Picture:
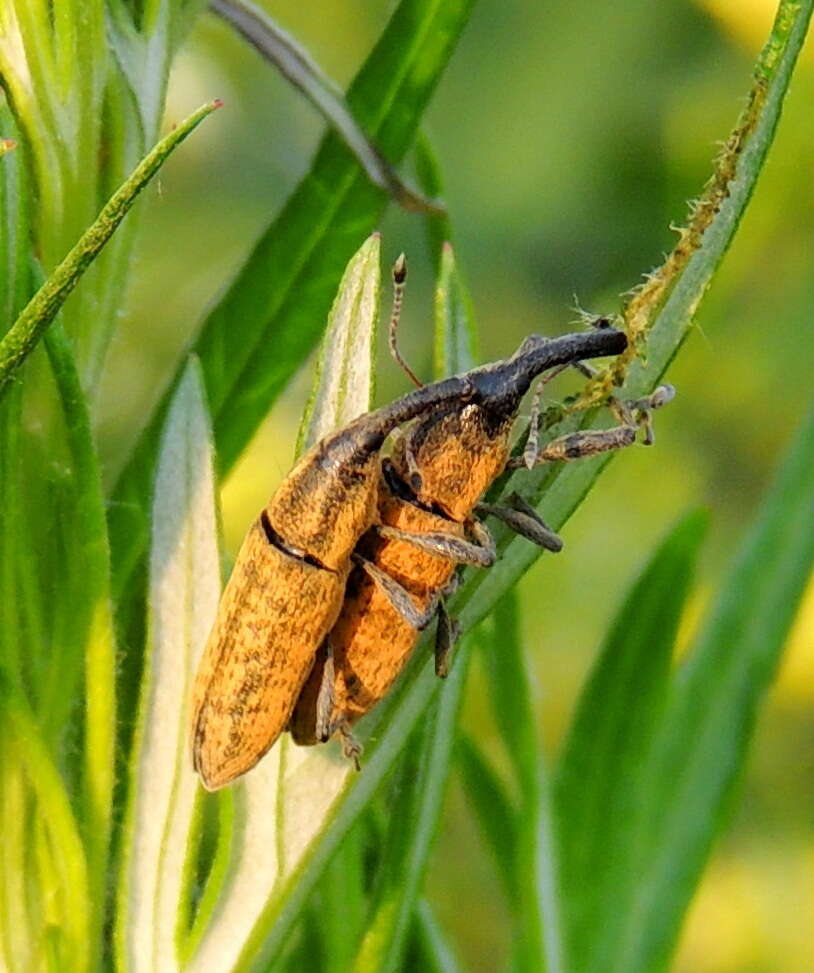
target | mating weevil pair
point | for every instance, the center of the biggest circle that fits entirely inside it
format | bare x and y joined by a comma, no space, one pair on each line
354,553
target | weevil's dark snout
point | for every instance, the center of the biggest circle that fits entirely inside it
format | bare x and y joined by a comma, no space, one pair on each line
501,386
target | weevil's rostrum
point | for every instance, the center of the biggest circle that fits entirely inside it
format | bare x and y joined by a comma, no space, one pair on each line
292,626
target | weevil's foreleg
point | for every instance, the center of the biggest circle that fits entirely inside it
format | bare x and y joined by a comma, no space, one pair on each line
632,416
325,696
530,450
522,518
446,636
398,596
480,552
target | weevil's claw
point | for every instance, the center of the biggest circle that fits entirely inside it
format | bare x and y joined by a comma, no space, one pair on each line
351,748
449,630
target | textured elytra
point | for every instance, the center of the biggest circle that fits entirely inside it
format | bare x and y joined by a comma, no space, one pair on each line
283,596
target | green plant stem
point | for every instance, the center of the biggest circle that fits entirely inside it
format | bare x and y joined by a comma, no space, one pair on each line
44,305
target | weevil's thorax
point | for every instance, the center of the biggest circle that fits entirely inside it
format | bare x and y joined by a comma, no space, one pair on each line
457,454
327,501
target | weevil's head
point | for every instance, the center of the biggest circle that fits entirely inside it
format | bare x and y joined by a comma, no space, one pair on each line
501,386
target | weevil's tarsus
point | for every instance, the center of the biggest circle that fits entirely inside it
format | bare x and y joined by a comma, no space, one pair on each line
643,409
480,552
446,636
351,748
398,596
523,519
399,279
325,698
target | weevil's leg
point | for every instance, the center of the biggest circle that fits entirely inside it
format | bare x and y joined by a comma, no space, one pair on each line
398,596
325,696
588,442
532,442
351,748
522,518
399,277
577,445
531,448
643,409
480,552
449,629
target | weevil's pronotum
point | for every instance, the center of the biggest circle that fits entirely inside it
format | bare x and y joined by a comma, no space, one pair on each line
427,525
288,583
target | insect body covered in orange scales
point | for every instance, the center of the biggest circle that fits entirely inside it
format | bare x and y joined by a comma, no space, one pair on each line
372,638
287,587
427,525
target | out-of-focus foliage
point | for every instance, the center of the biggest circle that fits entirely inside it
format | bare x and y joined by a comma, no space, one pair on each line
570,138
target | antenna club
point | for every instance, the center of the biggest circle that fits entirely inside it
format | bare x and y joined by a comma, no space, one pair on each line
400,269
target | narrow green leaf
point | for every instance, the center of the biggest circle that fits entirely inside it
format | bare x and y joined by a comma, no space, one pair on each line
510,694
70,899
494,810
601,776
428,170
285,800
701,750
456,340
534,881
386,937
296,66
92,616
339,910
41,310
432,951
184,592
273,312
344,380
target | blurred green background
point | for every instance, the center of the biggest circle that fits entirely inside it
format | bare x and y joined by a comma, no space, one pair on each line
570,137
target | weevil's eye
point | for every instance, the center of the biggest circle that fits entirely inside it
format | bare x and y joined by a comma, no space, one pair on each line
601,323
415,482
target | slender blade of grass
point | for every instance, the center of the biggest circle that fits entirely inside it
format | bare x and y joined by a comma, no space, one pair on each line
432,951
41,310
600,780
386,937
296,66
184,592
495,812
700,752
